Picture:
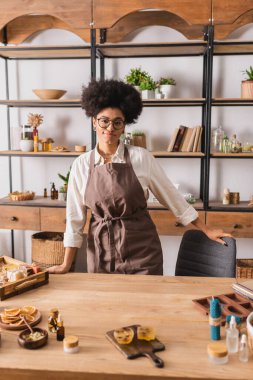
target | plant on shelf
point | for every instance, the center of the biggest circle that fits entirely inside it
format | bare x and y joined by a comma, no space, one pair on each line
165,85
247,84
139,139
35,120
62,193
147,87
65,179
136,76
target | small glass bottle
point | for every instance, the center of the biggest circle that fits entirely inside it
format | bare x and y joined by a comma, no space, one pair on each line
60,333
56,194
243,349
52,320
52,192
45,193
226,145
217,139
232,336
128,139
235,144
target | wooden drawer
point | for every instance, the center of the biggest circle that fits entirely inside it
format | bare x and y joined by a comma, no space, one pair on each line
236,223
166,223
20,218
54,219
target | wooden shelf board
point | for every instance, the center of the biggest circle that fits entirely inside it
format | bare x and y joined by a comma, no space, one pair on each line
177,154
173,102
232,155
38,201
242,205
38,154
153,49
232,47
231,101
39,103
33,52
158,206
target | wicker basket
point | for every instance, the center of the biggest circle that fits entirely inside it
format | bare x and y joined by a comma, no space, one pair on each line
47,249
244,268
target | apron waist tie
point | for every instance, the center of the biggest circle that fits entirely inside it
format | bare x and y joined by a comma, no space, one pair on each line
107,221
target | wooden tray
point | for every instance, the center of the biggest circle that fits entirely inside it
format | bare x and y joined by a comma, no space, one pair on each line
139,348
23,326
231,304
32,281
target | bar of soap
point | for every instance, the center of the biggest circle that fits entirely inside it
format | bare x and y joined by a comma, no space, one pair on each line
145,333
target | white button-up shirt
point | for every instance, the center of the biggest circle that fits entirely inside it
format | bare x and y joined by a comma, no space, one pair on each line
151,177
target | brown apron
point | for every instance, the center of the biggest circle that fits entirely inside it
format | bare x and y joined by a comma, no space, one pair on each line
122,237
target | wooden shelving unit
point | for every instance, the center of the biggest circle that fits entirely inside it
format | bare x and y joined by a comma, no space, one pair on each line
178,154
45,52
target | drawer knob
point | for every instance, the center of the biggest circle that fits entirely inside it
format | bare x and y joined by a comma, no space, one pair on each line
236,225
14,219
177,224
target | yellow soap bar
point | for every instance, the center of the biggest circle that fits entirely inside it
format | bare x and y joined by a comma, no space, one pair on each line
145,333
124,335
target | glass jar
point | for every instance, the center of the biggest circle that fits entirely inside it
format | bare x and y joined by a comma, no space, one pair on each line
246,147
217,139
235,144
26,132
226,145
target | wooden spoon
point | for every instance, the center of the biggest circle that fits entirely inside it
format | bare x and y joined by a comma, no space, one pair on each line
27,324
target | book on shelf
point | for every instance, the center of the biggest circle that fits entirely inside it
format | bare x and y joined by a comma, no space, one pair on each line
196,140
172,140
179,138
186,140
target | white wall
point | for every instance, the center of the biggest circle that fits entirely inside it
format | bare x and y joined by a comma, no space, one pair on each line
70,126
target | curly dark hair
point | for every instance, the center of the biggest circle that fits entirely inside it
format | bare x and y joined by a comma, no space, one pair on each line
114,94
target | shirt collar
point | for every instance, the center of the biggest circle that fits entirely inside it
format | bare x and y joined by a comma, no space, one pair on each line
119,154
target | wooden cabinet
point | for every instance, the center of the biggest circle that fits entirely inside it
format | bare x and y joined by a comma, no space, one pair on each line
166,223
236,223
20,218
55,219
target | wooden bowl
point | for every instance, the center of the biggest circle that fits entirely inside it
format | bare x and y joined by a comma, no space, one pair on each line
32,344
49,93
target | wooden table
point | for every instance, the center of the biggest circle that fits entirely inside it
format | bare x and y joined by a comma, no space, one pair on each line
93,304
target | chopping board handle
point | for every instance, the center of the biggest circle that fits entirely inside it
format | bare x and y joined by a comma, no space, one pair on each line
158,362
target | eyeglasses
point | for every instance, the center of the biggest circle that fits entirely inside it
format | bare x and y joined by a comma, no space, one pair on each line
117,124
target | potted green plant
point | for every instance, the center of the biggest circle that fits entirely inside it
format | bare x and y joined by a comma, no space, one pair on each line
247,84
136,76
165,85
62,194
139,139
65,180
147,88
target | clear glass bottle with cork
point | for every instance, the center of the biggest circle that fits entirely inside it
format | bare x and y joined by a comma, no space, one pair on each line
217,139
52,320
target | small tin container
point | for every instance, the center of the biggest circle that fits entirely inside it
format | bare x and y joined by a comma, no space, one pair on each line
217,352
70,344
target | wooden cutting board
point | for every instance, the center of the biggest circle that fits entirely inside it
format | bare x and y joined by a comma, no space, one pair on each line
139,348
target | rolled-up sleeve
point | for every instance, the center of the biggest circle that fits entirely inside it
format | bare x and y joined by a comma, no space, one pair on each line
76,210
168,195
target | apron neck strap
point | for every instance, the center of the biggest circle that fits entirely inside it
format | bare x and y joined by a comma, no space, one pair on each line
126,155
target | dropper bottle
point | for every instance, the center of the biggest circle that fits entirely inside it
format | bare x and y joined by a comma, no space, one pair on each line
232,336
243,349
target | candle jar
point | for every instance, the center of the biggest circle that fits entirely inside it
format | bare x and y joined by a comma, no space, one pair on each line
46,144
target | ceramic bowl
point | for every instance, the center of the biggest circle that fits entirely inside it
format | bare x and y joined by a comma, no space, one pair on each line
32,344
48,94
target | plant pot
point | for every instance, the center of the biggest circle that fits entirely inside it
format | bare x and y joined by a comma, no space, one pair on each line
137,88
26,145
62,196
148,94
166,90
139,141
247,89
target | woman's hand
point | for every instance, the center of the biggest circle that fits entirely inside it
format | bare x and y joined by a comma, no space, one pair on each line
216,235
213,234
58,269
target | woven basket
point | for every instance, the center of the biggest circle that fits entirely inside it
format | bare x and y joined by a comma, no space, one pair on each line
47,249
244,268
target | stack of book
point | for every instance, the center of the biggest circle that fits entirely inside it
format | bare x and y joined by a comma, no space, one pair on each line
244,288
185,139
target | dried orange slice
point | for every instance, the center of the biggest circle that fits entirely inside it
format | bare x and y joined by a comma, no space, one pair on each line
12,312
28,310
29,318
18,323
124,335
